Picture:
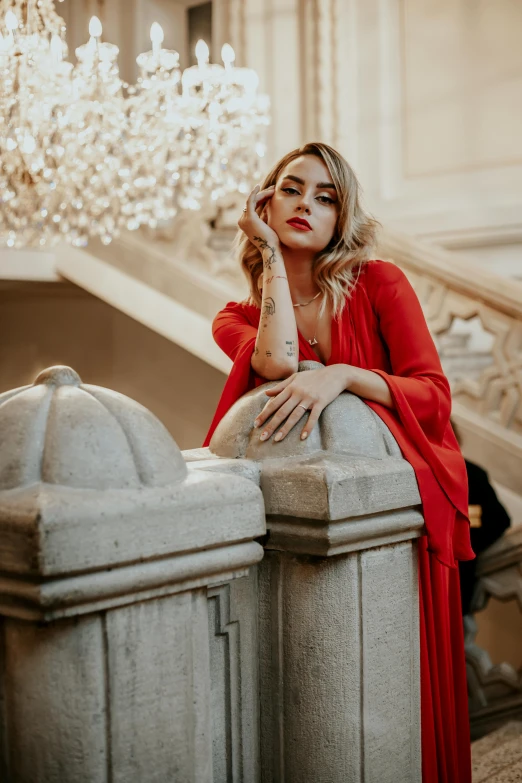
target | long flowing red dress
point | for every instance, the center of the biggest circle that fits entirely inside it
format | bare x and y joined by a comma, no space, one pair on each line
383,329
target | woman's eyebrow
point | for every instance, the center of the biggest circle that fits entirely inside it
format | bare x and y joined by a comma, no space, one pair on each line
301,182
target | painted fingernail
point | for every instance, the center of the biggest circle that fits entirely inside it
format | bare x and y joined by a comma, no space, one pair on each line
279,436
304,436
263,436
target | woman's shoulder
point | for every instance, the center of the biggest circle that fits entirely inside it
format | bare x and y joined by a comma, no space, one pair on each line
383,282
378,272
242,311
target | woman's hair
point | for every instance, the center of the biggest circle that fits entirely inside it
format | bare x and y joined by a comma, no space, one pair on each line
352,242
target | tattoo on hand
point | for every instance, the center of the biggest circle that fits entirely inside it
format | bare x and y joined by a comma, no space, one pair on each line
268,353
271,259
269,306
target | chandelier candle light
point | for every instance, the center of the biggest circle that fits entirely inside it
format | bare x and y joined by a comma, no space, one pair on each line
84,154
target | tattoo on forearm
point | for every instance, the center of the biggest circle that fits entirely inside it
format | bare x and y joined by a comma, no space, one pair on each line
256,351
269,306
290,348
275,277
268,353
271,259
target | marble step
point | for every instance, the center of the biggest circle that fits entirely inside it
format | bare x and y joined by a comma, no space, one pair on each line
497,758
512,774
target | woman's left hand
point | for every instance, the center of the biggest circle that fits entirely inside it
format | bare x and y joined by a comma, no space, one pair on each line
309,390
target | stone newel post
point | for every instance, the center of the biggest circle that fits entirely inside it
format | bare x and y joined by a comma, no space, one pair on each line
338,595
119,598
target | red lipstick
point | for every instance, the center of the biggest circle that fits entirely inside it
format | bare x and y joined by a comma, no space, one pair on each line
299,223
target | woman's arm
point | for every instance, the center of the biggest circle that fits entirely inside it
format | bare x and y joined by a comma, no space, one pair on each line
276,350
417,387
367,384
313,390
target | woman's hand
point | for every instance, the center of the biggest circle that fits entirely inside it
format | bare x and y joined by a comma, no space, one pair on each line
257,230
308,390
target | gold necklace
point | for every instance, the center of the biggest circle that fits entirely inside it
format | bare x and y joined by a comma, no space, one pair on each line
304,304
313,341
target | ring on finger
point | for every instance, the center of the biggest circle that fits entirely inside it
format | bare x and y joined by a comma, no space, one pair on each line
300,405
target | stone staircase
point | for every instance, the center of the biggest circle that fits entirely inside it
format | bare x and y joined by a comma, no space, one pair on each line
497,758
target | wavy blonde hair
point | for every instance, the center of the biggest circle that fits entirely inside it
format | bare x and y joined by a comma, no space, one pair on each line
352,243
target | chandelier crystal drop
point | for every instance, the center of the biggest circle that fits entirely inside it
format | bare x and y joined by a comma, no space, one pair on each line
83,154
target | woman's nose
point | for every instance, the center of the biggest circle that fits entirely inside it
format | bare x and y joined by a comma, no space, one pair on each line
304,204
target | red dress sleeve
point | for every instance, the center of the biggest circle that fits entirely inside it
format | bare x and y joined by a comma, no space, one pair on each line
235,330
422,404
418,384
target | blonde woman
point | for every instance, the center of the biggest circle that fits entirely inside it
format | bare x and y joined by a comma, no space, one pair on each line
305,244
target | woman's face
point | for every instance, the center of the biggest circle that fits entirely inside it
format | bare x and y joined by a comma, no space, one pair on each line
304,190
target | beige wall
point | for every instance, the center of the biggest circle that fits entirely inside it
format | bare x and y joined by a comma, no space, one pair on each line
421,96
44,324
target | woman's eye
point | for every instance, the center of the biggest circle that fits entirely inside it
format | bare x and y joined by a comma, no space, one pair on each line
325,199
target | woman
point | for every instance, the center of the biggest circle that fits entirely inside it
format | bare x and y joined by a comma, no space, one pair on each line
305,246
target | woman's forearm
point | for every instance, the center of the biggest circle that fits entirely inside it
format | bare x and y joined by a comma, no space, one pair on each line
368,385
276,353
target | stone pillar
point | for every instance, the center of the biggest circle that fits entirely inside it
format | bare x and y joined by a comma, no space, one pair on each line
126,632
338,595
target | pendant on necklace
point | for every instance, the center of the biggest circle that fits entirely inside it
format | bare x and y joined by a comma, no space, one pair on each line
313,341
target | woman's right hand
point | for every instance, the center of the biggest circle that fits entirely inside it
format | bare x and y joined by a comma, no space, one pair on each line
252,224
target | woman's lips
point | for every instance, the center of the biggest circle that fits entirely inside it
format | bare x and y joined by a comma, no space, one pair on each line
297,224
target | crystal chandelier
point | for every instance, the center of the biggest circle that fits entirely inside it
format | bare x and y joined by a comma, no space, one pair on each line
83,154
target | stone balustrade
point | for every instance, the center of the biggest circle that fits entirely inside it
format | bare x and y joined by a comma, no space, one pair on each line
338,594
145,636
122,579
495,689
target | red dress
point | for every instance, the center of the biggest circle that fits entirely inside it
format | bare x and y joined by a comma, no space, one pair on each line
383,329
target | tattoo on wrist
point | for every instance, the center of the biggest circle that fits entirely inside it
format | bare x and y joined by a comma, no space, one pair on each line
269,306
290,348
270,259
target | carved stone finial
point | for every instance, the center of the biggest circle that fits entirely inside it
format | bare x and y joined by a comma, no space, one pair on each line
59,375
60,431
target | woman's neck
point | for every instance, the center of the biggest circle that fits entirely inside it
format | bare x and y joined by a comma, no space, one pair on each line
298,266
